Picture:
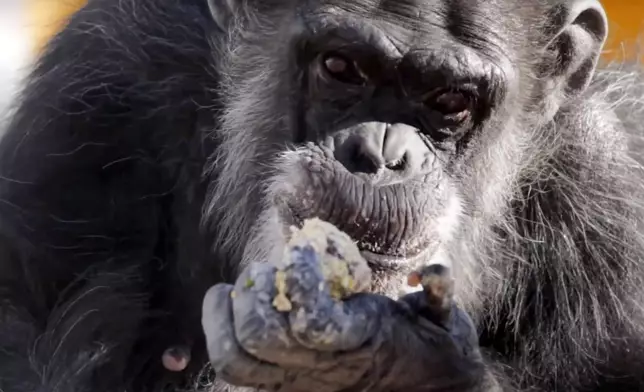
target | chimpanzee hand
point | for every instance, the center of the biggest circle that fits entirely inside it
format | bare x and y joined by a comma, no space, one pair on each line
365,342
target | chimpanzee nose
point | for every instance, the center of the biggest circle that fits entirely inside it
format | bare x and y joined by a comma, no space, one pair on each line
374,147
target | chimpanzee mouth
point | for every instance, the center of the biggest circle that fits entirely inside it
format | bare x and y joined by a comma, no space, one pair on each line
379,261
393,225
379,254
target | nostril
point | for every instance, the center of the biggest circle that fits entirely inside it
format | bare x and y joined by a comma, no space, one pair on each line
366,161
398,164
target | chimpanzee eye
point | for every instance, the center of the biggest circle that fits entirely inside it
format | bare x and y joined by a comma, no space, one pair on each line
342,69
454,105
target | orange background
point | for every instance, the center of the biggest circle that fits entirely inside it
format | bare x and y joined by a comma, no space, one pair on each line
626,18
626,23
46,17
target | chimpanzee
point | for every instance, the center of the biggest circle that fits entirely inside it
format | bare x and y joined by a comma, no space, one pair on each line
161,151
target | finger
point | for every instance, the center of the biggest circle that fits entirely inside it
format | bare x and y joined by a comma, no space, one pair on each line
319,321
230,362
265,334
436,300
260,329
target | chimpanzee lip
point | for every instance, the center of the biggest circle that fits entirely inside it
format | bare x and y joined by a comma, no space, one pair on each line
382,261
377,260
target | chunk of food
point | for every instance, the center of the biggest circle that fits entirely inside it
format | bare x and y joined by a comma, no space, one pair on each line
345,271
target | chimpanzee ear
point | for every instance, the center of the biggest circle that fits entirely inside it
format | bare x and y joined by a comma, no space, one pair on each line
579,29
223,11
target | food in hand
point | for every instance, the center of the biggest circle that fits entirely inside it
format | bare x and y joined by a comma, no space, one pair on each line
345,271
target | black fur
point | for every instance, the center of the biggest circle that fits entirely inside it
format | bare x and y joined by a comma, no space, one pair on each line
108,221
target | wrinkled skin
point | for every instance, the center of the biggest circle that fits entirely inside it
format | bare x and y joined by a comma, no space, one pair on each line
161,150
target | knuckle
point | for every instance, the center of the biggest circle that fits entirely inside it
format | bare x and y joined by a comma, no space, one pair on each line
216,315
222,347
258,325
233,370
216,300
331,331
266,335
221,359
250,334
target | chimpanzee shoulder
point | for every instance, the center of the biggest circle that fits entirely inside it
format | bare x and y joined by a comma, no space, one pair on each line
101,183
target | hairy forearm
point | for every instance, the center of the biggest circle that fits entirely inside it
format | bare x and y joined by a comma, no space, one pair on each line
62,348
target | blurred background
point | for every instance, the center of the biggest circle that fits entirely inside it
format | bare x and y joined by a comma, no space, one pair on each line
26,25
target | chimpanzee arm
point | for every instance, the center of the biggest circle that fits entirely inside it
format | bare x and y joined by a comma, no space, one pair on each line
66,342
88,164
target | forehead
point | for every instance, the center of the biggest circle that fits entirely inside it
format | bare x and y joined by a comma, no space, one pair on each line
482,25
418,11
